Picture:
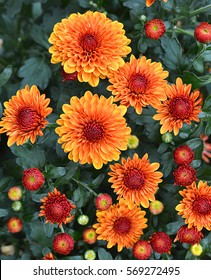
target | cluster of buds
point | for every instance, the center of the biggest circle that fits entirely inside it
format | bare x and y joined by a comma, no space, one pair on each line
184,174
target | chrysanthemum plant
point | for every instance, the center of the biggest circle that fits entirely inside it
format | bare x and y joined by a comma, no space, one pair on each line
76,82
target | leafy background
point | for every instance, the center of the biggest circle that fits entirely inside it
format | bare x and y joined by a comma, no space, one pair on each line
25,27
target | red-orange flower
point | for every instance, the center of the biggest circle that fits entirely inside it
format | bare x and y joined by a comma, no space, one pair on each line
56,208
182,106
188,235
195,207
202,33
89,235
154,28
184,175
93,130
142,250
89,44
49,256
121,224
150,2
136,179
183,155
161,242
33,179
25,115
63,243
139,83
14,225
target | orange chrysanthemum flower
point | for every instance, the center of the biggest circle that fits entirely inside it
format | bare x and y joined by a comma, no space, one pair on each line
89,44
56,208
121,224
139,83
24,116
49,256
93,129
136,179
195,207
150,2
182,106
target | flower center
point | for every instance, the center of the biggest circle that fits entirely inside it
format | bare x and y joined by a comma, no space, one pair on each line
122,225
137,83
180,107
28,119
202,205
134,179
88,42
93,131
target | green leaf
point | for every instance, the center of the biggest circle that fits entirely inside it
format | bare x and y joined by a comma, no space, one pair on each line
80,196
208,127
71,169
3,213
39,36
97,181
203,172
5,75
194,143
49,229
168,163
173,227
172,57
197,82
27,158
103,254
1,110
55,172
35,71
207,106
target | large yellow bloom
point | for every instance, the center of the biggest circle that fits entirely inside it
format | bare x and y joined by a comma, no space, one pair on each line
121,224
182,106
89,44
139,83
24,116
195,207
93,129
136,179
150,2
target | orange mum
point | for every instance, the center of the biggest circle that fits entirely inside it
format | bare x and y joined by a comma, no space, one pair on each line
182,106
150,2
24,116
195,207
93,129
89,44
121,224
136,179
139,83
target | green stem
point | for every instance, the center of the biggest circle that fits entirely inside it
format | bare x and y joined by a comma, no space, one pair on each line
196,57
183,31
85,186
192,13
62,229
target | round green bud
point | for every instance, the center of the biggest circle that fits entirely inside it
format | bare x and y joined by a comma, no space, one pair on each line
16,205
83,220
167,137
90,255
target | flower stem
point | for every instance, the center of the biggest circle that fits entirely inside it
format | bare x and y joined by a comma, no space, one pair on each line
62,229
192,13
196,57
85,186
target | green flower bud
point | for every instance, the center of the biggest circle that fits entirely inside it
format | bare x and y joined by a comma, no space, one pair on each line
83,220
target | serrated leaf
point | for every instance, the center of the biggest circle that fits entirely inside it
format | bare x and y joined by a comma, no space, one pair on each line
49,229
172,57
103,254
39,36
5,75
35,71
27,158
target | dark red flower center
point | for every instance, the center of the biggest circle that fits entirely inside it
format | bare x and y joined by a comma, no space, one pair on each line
138,83
134,179
88,42
181,107
57,209
122,225
93,132
28,119
202,205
